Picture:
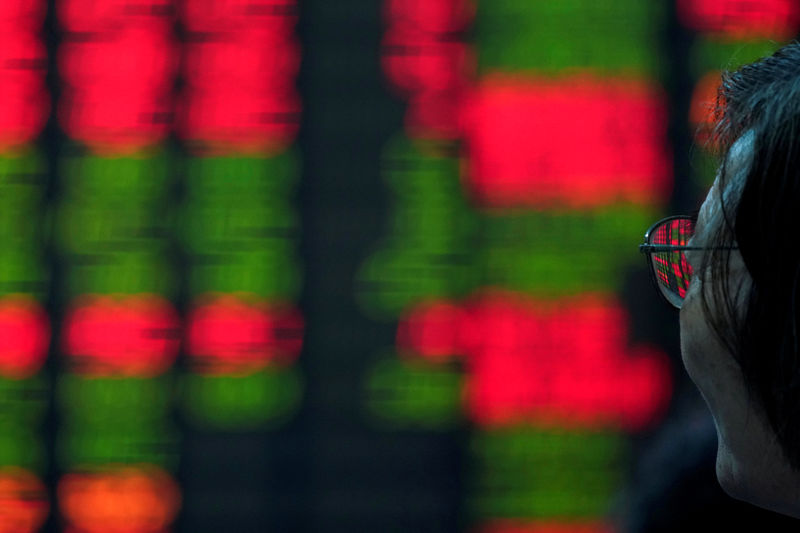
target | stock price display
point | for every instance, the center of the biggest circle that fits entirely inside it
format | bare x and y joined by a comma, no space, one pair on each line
297,266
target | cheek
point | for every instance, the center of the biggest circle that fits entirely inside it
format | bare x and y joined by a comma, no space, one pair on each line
701,350
694,334
715,373
706,361
691,345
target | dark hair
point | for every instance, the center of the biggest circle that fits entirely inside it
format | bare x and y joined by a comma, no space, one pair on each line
762,100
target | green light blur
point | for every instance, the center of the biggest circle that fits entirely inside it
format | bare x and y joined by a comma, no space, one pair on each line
98,401
241,403
438,246
428,251
239,233
406,394
270,273
534,473
238,228
704,167
393,280
616,38
22,233
107,227
23,403
80,445
708,54
118,181
22,271
115,419
23,400
111,226
21,446
253,180
22,180
553,254
121,273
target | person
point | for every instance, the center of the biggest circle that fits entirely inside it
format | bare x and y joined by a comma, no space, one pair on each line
734,273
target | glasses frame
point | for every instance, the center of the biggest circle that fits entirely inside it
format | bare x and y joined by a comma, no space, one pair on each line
649,249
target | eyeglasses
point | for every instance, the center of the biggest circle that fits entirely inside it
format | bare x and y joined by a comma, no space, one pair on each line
665,244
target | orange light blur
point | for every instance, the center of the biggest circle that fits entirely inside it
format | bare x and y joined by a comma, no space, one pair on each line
141,499
23,501
702,114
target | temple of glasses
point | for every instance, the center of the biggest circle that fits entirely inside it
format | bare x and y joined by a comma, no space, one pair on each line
656,248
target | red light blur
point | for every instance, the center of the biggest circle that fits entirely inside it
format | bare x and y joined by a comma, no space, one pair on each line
426,60
534,362
433,330
23,501
135,335
433,74
417,61
91,16
253,60
112,127
229,335
702,109
241,93
135,61
276,16
578,142
510,526
433,16
432,114
23,59
22,15
24,337
243,121
142,499
742,19
118,62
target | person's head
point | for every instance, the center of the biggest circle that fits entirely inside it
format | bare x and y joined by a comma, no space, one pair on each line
740,320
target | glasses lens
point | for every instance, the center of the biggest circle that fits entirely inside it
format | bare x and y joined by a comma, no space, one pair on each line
671,268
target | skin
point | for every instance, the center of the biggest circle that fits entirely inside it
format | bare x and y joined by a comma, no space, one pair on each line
750,464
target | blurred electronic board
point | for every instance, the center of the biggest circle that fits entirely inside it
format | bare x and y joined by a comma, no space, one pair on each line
295,265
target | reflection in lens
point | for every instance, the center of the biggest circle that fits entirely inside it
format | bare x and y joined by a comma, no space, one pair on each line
672,270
